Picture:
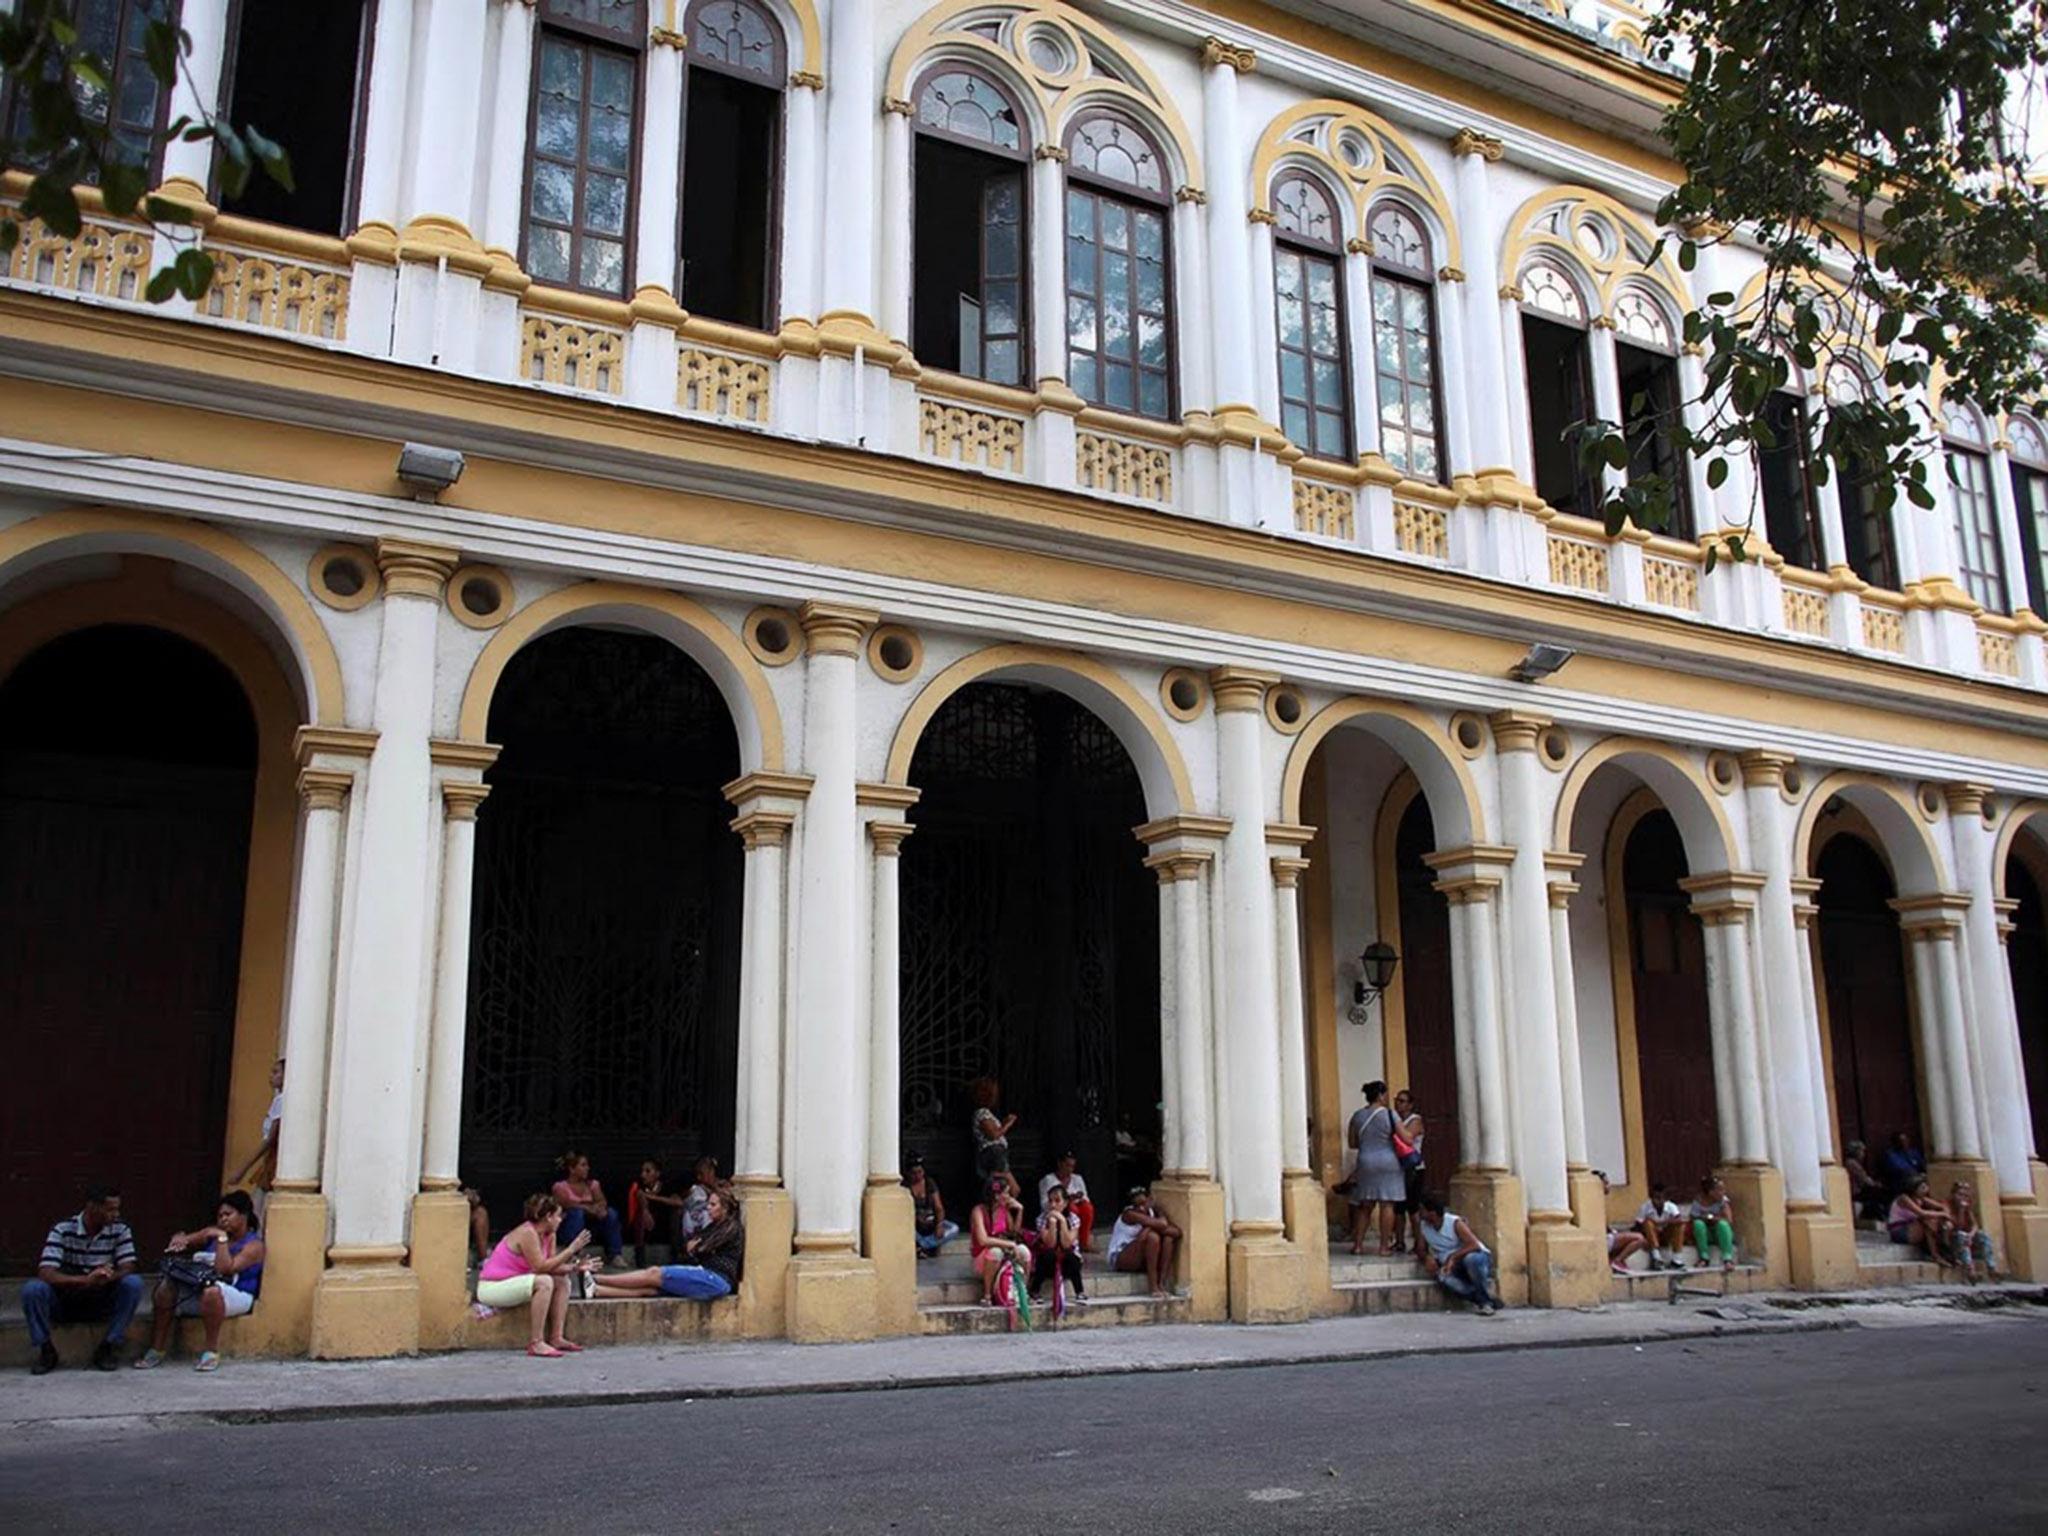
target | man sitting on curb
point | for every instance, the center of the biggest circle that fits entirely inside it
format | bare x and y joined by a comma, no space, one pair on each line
87,1273
1454,1256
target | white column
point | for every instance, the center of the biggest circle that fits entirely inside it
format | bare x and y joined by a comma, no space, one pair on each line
1607,400
1692,383
1932,934
509,105
1475,1014
438,1168
1171,1113
800,242
1731,993
386,138
764,828
1229,274
850,112
1248,1039
2002,1075
1571,1072
1294,1148
1181,880
307,1010
1265,333
1200,388
1486,380
443,150
898,221
2007,509
661,144
1534,1018
1365,393
828,1155
196,91
1804,915
1787,1026
376,1039
1048,265
885,1072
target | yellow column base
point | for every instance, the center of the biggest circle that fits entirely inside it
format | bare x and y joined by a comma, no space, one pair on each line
888,1235
1820,1248
1303,1208
769,1216
1268,1280
1757,1191
294,1258
2039,1171
1202,1269
2024,1253
1834,1183
1567,1264
830,1297
440,1257
1589,1200
1980,1176
366,1306
1492,1203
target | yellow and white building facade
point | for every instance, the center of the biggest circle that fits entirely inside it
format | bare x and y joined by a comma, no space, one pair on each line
993,541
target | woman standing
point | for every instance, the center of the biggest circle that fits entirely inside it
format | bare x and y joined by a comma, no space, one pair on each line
1409,1211
1376,1180
525,1270
715,1254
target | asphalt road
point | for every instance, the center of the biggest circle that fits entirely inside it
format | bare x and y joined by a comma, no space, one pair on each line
1826,1431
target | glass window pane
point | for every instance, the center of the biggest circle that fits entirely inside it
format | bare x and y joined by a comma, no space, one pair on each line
1000,314
1152,341
1116,331
1081,375
1080,266
611,81
1002,363
547,254
1293,376
1329,432
1151,230
1294,420
561,70
557,129
1152,394
1329,376
1116,278
1116,226
1081,215
603,266
999,248
1292,332
1117,386
1287,273
1152,286
1080,324
554,192
611,137
604,204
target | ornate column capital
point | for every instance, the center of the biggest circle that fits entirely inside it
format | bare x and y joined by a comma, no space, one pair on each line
1050,152
1261,216
896,106
1515,730
1237,689
1965,798
324,789
835,629
745,792
1358,245
1215,51
1932,917
1562,892
1761,769
764,829
414,569
1179,864
1511,292
1287,872
1450,274
312,741
806,80
461,797
1193,195
1470,141
1467,890
888,836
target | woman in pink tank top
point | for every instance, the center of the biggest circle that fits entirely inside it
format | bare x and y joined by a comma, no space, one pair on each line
525,1271
998,1232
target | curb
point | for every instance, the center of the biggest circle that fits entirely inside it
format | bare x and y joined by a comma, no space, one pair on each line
639,1396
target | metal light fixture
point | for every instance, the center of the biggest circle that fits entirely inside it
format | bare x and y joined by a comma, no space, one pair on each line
427,468
1544,660
1375,974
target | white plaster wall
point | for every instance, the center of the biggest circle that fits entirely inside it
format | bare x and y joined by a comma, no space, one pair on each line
1599,1058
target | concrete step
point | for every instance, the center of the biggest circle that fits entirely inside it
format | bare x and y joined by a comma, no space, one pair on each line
1655,1285
958,1289
1375,1298
656,1320
1347,1268
1107,1312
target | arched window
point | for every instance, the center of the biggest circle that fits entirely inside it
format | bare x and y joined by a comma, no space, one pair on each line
298,72
970,292
1558,363
1784,472
1866,530
2030,496
129,101
1308,287
579,164
732,133
1119,290
1646,363
1404,343
1974,515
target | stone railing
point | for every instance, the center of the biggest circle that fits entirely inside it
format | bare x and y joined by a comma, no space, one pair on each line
571,354
723,385
1884,622
1578,564
1122,466
278,280
961,431
1671,581
1806,602
1422,531
1324,510
1998,646
106,261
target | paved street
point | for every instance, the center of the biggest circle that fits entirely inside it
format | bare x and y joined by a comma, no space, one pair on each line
1798,1431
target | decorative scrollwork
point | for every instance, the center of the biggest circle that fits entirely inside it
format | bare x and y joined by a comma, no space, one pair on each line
278,296
968,436
573,355
1577,565
1806,612
713,384
1123,468
1326,510
1884,629
1996,654
1422,531
1672,584
101,260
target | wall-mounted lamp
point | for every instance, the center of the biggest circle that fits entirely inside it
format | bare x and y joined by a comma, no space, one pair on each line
429,469
1375,974
1544,660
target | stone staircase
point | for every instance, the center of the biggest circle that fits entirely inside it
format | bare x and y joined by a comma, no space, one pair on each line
1366,1285
949,1298
1880,1262
1646,1284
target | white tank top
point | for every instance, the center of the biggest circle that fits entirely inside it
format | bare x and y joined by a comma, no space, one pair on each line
1121,1236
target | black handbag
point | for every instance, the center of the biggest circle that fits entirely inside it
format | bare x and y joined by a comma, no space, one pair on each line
185,1274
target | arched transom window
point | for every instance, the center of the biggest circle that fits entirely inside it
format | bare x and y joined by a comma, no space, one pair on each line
731,201
1405,371
1308,286
1119,305
970,294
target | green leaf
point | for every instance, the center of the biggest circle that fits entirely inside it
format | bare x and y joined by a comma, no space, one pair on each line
275,162
194,269
122,185
163,283
160,49
1717,474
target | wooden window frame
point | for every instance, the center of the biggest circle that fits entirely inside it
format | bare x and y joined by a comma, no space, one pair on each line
590,39
123,59
359,112
1585,484
1995,580
1684,517
694,59
1809,499
1103,188
1330,252
1424,278
2030,503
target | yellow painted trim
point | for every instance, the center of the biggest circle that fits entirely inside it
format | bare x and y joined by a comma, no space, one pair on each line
998,660
1320,979
1051,98
2007,839
1422,736
209,549
1607,275
1865,791
1278,149
759,724
1625,750
1386,831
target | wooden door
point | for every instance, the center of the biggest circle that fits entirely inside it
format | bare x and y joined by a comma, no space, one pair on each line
1674,1033
1426,993
1869,1026
2027,954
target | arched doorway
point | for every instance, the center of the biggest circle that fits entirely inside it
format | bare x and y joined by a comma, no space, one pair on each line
1863,964
127,781
1667,975
1030,942
605,933
2027,955
1428,1028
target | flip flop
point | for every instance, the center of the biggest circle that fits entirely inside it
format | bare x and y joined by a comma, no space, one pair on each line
544,1351
564,1347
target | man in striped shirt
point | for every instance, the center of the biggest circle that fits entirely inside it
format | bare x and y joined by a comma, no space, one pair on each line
87,1272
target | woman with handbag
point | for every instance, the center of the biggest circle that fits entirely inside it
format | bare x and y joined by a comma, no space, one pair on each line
1408,1135
1377,1182
212,1274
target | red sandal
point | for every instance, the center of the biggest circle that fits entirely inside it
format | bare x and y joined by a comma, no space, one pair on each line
544,1351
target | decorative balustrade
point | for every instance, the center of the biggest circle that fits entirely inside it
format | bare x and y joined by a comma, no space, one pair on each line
1422,531
1327,511
572,354
1671,583
1121,467
966,434
104,260
1806,603
1884,623
723,386
1578,565
274,293
1997,649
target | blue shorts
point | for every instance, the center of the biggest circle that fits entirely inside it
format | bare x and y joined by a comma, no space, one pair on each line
693,1282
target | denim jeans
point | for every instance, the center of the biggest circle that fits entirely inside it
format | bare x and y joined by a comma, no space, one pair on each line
693,1282
574,1221
932,1242
1471,1277
1973,1245
43,1304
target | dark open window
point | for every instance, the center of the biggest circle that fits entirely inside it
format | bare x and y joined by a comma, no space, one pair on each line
1404,345
2030,497
131,103
1557,360
579,166
1119,274
1785,480
1650,399
1866,531
1308,302
1975,519
732,162
969,294
297,75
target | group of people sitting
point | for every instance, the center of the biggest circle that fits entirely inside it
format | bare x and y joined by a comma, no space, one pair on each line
88,1273
1899,1195
1662,1225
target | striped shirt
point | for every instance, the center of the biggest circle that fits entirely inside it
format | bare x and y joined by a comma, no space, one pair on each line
71,1250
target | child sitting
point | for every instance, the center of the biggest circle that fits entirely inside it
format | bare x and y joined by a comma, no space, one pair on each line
1711,1224
643,1196
697,1203
1662,1225
1972,1243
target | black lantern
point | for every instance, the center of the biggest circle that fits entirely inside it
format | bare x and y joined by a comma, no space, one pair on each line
1375,972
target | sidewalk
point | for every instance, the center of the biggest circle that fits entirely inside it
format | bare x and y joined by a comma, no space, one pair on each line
483,1380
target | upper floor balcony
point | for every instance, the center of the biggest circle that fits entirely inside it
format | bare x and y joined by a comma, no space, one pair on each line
1230,280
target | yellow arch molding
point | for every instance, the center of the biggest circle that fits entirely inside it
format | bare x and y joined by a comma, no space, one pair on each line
2009,831
1103,690
1678,783
1058,93
207,548
1634,241
693,627
677,15
1904,838
1838,340
1325,120
1421,744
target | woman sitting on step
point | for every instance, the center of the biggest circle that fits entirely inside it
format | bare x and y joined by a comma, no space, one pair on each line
525,1270
715,1255
233,1249
1918,1220
998,1234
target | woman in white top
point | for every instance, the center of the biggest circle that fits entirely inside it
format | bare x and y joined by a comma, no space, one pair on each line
1144,1240
263,1161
